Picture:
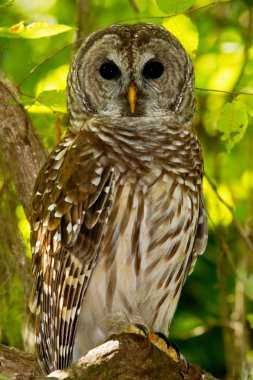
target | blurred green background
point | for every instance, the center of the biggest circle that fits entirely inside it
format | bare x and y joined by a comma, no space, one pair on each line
214,320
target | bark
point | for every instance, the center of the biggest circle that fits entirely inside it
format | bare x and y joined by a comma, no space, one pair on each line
17,364
22,150
123,357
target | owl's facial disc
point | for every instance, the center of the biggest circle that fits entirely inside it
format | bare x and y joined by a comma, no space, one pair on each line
132,71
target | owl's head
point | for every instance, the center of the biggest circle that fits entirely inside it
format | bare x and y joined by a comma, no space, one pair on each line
131,71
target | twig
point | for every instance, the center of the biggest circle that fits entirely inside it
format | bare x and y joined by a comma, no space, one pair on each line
134,6
42,62
6,6
234,93
37,100
83,22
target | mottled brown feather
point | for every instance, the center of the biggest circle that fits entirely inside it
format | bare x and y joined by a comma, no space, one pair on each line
66,248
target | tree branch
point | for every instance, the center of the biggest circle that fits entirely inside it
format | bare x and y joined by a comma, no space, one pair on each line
17,364
83,21
22,150
124,356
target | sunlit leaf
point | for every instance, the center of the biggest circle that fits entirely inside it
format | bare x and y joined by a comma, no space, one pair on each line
54,79
248,101
26,100
218,212
174,7
185,30
24,226
233,123
34,30
54,99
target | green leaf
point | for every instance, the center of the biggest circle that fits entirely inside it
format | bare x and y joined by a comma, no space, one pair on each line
26,100
233,123
35,30
248,101
249,318
54,99
186,31
174,7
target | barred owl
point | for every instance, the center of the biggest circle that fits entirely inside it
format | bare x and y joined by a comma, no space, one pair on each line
118,213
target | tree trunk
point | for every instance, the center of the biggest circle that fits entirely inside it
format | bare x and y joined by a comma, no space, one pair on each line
22,150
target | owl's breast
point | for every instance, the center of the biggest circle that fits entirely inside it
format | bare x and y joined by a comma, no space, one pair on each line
147,245
148,236
143,258
144,146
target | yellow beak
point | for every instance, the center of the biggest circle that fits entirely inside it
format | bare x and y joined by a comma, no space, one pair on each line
132,97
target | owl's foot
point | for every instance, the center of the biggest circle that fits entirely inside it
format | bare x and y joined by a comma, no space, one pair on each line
159,340
136,329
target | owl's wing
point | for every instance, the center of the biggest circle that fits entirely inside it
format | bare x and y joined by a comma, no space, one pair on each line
71,201
201,236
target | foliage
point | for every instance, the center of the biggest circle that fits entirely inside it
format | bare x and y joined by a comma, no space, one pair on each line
233,122
34,30
174,7
213,323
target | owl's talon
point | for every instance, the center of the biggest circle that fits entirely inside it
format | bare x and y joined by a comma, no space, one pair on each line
136,329
143,329
186,364
161,342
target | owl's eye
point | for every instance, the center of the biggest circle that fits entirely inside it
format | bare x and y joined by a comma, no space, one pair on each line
153,70
109,70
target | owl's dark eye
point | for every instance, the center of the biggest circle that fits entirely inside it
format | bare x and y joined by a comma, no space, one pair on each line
109,70
153,70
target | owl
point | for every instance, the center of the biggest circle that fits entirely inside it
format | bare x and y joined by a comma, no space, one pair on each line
118,213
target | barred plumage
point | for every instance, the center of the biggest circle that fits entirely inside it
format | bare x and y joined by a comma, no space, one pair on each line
118,211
